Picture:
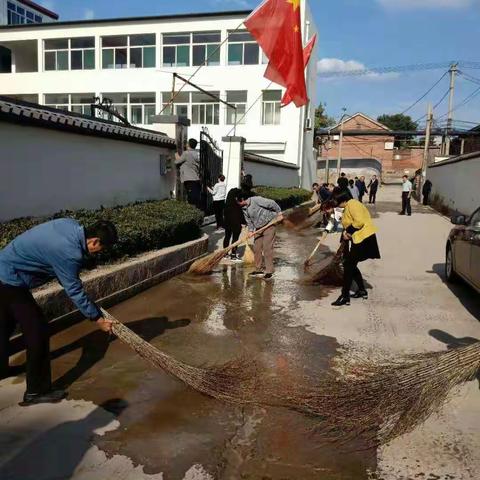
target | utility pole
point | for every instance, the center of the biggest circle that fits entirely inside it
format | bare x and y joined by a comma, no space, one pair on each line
340,144
426,150
453,73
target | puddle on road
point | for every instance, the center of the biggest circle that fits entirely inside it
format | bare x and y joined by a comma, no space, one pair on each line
169,427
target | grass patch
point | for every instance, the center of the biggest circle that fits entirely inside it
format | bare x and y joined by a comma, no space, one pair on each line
285,197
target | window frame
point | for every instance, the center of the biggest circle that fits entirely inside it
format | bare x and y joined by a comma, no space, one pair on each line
243,44
129,105
70,105
239,105
128,46
23,14
276,109
69,49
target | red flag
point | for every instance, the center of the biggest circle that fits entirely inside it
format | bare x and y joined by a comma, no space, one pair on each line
272,73
276,26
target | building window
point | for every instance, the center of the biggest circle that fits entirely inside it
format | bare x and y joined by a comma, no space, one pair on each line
137,108
180,105
142,108
128,51
75,102
239,99
242,49
19,15
205,110
271,107
206,48
70,53
176,50
142,51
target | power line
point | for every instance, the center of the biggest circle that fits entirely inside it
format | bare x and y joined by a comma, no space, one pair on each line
435,106
426,93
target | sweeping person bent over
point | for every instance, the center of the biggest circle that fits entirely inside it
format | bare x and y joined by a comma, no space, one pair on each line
56,249
360,233
258,212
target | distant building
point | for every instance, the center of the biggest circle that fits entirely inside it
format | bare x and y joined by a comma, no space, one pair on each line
463,145
19,12
366,154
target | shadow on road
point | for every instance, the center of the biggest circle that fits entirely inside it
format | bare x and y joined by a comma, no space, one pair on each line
56,453
465,294
95,345
453,342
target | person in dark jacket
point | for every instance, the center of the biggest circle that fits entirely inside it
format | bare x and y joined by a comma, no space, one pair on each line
324,193
362,188
55,249
342,182
373,188
426,190
233,221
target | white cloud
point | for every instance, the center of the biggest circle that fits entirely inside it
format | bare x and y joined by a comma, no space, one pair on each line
417,4
88,14
330,65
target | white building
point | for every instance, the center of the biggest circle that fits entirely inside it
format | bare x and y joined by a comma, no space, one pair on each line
18,12
131,61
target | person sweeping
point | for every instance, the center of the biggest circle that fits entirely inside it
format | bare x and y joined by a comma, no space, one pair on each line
233,221
360,233
259,212
55,249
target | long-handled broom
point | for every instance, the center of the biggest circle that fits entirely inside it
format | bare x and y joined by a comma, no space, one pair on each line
375,397
308,262
233,382
205,265
331,271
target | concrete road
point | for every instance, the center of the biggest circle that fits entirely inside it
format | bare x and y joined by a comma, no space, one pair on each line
125,420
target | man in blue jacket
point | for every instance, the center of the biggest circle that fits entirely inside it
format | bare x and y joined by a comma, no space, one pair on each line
56,249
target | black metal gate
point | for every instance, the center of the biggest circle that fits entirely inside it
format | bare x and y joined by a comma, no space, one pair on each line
211,167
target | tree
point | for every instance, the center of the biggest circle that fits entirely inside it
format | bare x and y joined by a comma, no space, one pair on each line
399,122
322,120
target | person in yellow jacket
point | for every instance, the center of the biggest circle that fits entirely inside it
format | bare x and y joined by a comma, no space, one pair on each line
360,233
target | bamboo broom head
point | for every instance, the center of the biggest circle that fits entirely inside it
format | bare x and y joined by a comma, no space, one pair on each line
205,265
248,256
235,381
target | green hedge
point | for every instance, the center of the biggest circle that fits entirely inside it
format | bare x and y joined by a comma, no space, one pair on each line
141,226
285,197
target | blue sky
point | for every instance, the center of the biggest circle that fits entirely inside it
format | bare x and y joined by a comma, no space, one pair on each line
354,33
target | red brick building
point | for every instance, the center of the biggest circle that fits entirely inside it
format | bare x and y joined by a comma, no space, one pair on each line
366,154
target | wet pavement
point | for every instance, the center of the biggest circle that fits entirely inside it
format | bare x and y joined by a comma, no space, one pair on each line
165,430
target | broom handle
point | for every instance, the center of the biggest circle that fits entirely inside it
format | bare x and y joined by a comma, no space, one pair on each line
274,222
314,209
317,247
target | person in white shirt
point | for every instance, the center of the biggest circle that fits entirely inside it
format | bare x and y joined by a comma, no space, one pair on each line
219,193
407,188
352,188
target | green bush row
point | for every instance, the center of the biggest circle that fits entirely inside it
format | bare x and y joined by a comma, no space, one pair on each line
141,226
285,197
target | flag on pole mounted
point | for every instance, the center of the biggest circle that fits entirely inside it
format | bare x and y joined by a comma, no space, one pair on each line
276,26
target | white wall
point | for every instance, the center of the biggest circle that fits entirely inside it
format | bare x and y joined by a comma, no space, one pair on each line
44,171
457,182
271,175
298,145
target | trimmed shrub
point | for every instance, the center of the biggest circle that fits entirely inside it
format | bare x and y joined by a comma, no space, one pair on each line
285,197
141,226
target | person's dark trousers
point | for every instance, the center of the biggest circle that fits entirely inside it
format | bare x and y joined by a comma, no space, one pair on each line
372,196
232,232
360,198
218,207
351,273
194,191
425,198
17,306
406,205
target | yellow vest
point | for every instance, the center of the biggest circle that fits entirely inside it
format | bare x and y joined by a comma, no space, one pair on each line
357,215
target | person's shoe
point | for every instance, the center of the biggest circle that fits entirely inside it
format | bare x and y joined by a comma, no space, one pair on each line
409,214
361,294
268,276
402,213
53,396
341,301
257,273
236,259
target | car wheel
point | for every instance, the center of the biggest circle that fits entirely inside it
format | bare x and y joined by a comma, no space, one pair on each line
449,267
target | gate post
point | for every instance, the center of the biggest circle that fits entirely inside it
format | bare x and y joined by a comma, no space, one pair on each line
233,160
